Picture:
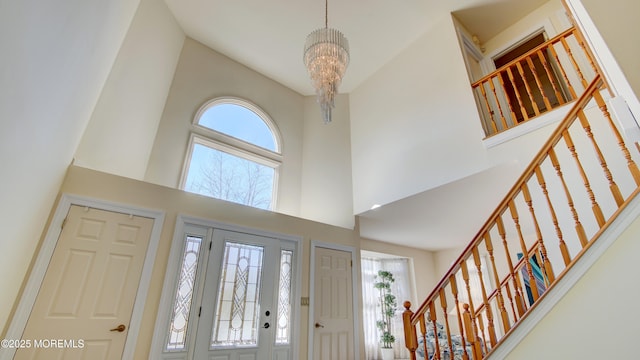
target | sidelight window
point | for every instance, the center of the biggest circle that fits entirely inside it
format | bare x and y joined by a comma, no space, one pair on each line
184,294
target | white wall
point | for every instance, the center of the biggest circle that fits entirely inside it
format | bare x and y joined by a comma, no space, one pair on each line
615,49
618,37
444,259
93,184
424,130
56,57
130,106
203,74
598,318
315,168
414,124
326,165
551,16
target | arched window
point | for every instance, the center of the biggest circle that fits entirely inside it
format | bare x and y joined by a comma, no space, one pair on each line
234,154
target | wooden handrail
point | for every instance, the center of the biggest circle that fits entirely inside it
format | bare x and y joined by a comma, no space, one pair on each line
553,139
590,139
542,46
534,83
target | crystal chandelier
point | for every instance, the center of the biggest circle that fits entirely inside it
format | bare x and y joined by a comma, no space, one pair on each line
326,56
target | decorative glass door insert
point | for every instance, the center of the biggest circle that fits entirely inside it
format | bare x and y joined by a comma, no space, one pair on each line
246,306
238,305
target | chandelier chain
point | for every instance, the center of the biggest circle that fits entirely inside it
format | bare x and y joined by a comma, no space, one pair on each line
326,14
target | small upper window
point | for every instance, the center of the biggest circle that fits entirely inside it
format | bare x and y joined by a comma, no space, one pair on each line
234,154
240,122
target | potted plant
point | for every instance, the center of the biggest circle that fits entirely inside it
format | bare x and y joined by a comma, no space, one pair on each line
384,279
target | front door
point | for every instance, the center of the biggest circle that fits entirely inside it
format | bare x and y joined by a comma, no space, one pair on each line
333,336
247,302
84,305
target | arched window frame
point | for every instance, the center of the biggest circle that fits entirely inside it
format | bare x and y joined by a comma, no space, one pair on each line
202,135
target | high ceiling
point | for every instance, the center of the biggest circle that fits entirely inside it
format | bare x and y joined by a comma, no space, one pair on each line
268,37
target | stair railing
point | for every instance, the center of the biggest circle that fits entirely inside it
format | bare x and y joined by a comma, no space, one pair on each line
572,190
547,77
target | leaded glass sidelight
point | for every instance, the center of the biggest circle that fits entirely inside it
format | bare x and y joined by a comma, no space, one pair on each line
283,329
237,311
184,293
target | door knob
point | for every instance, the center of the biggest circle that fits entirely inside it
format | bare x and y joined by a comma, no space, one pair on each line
318,325
120,328
266,325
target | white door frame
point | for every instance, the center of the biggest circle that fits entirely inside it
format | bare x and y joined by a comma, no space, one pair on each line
36,277
355,284
173,265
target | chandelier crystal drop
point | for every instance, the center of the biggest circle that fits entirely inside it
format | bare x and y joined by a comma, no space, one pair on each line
326,56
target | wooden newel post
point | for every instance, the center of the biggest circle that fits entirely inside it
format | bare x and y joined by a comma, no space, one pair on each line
410,336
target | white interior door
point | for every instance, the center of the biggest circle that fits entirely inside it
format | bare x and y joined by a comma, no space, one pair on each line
240,313
333,336
89,289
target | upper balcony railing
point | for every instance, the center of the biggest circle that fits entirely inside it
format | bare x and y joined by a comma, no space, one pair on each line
547,77
572,190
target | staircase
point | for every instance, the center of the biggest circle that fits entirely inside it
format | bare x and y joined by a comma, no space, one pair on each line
574,199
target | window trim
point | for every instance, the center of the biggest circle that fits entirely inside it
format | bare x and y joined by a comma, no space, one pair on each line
201,135
277,138
231,142
195,139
